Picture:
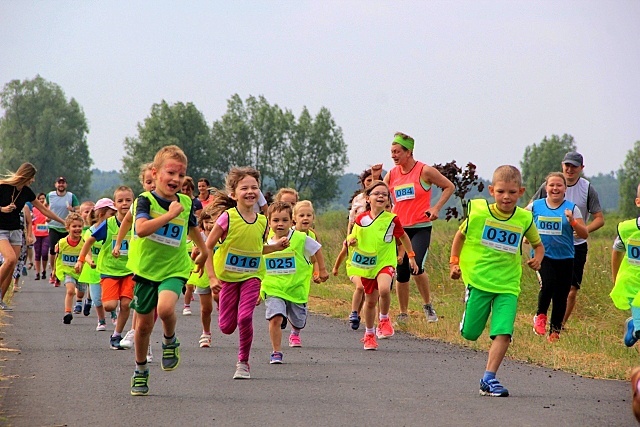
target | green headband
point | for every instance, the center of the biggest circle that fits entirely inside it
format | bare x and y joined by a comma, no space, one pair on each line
405,142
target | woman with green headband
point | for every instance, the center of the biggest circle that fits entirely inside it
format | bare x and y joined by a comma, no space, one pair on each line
410,183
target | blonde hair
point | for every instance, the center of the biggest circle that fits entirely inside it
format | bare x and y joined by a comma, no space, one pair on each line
303,204
284,191
122,189
143,170
169,152
507,173
73,216
88,219
23,176
236,175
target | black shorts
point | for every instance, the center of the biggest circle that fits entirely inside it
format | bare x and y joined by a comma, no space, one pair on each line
54,236
420,240
579,260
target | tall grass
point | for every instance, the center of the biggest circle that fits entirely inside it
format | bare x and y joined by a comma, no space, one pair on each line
591,345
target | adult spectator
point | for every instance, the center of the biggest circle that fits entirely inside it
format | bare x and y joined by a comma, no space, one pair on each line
204,195
581,192
410,182
60,202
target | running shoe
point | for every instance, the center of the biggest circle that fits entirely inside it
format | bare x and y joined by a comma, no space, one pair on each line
354,320
384,330
186,311
78,308
276,358
149,355
242,371
114,342
540,324
52,279
67,318
294,341
402,319
205,340
127,340
37,276
170,356
370,342
493,388
24,270
5,307
43,275
140,383
101,326
553,337
430,313
87,307
629,335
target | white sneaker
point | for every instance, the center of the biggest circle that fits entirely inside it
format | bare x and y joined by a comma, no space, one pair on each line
205,340
186,311
127,340
149,355
101,327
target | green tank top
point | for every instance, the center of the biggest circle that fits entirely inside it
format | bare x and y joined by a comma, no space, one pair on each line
491,256
372,253
88,274
627,286
67,257
108,265
239,256
288,272
163,254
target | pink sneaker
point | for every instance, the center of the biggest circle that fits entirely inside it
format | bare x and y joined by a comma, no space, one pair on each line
370,342
294,341
384,330
540,324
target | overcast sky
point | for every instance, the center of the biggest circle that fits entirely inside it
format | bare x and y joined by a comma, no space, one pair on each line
469,80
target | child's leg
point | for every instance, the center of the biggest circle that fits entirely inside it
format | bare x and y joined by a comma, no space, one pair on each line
188,295
357,300
503,317
275,332
384,290
125,295
167,300
144,328
370,302
68,298
561,284
206,308
249,291
96,293
110,293
228,307
498,349
546,287
124,314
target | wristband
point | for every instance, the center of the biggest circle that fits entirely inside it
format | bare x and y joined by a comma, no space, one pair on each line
81,259
411,254
454,260
573,223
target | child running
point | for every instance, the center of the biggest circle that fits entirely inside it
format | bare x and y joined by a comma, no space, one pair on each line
85,211
285,288
238,266
625,268
557,219
487,253
41,245
163,219
68,251
372,256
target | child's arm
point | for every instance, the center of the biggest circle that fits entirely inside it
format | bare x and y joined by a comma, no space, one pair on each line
579,227
401,251
213,237
86,249
280,244
203,255
616,259
125,226
322,275
538,254
340,259
146,227
406,242
454,260
28,226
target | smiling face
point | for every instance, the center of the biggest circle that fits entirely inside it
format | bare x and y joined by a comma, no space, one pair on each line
122,201
280,223
203,189
304,218
378,197
75,230
61,186
169,178
246,192
42,199
506,194
556,189
571,172
400,155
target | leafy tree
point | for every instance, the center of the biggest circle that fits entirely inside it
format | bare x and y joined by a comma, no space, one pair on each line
540,159
608,188
179,124
308,154
42,127
629,177
464,181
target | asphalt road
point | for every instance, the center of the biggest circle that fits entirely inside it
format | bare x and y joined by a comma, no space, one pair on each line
67,375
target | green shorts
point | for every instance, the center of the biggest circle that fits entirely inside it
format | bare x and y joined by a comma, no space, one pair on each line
145,293
479,304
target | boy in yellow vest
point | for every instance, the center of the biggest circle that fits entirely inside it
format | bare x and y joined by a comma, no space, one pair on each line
68,250
487,253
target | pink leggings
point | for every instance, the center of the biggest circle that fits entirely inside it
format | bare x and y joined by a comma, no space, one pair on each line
237,302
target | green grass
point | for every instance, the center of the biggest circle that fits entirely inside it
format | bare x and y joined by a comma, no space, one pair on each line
591,346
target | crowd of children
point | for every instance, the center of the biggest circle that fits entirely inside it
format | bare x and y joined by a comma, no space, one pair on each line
224,250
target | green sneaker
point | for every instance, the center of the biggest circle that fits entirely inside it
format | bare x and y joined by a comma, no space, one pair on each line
170,356
140,383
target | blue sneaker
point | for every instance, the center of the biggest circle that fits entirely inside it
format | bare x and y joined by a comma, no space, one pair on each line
114,342
354,319
78,308
170,356
140,383
629,335
493,388
276,358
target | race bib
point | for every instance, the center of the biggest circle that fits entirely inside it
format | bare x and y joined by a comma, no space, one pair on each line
95,251
69,260
550,225
404,192
633,252
283,263
124,247
241,261
364,260
169,234
502,237
42,228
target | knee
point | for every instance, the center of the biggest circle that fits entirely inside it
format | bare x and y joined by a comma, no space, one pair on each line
110,305
144,327
124,304
97,302
470,335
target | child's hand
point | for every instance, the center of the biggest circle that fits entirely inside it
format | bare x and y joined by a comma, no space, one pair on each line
454,271
352,241
199,261
175,208
335,270
78,267
534,264
568,214
413,265
281,243
316,277
324,275
215,285
116,252
400,259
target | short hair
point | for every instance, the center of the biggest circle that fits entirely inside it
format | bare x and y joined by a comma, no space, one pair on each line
189,181
236,175
303,204
507,173
206,181
121,189
169,152
280,207
73,216
286,190
556,175
87,203
143,170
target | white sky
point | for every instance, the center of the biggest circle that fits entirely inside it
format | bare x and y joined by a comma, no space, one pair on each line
469,80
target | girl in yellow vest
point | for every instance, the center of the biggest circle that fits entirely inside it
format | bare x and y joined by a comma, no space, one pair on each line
238,265
68,251
303,217
372,256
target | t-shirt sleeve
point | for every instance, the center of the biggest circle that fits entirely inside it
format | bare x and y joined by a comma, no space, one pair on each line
74,201
223,222
398,230
576,212
143,208
593,201
311,247
100,234
463,226
358,219
197,204
193,221
30,195
618,245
